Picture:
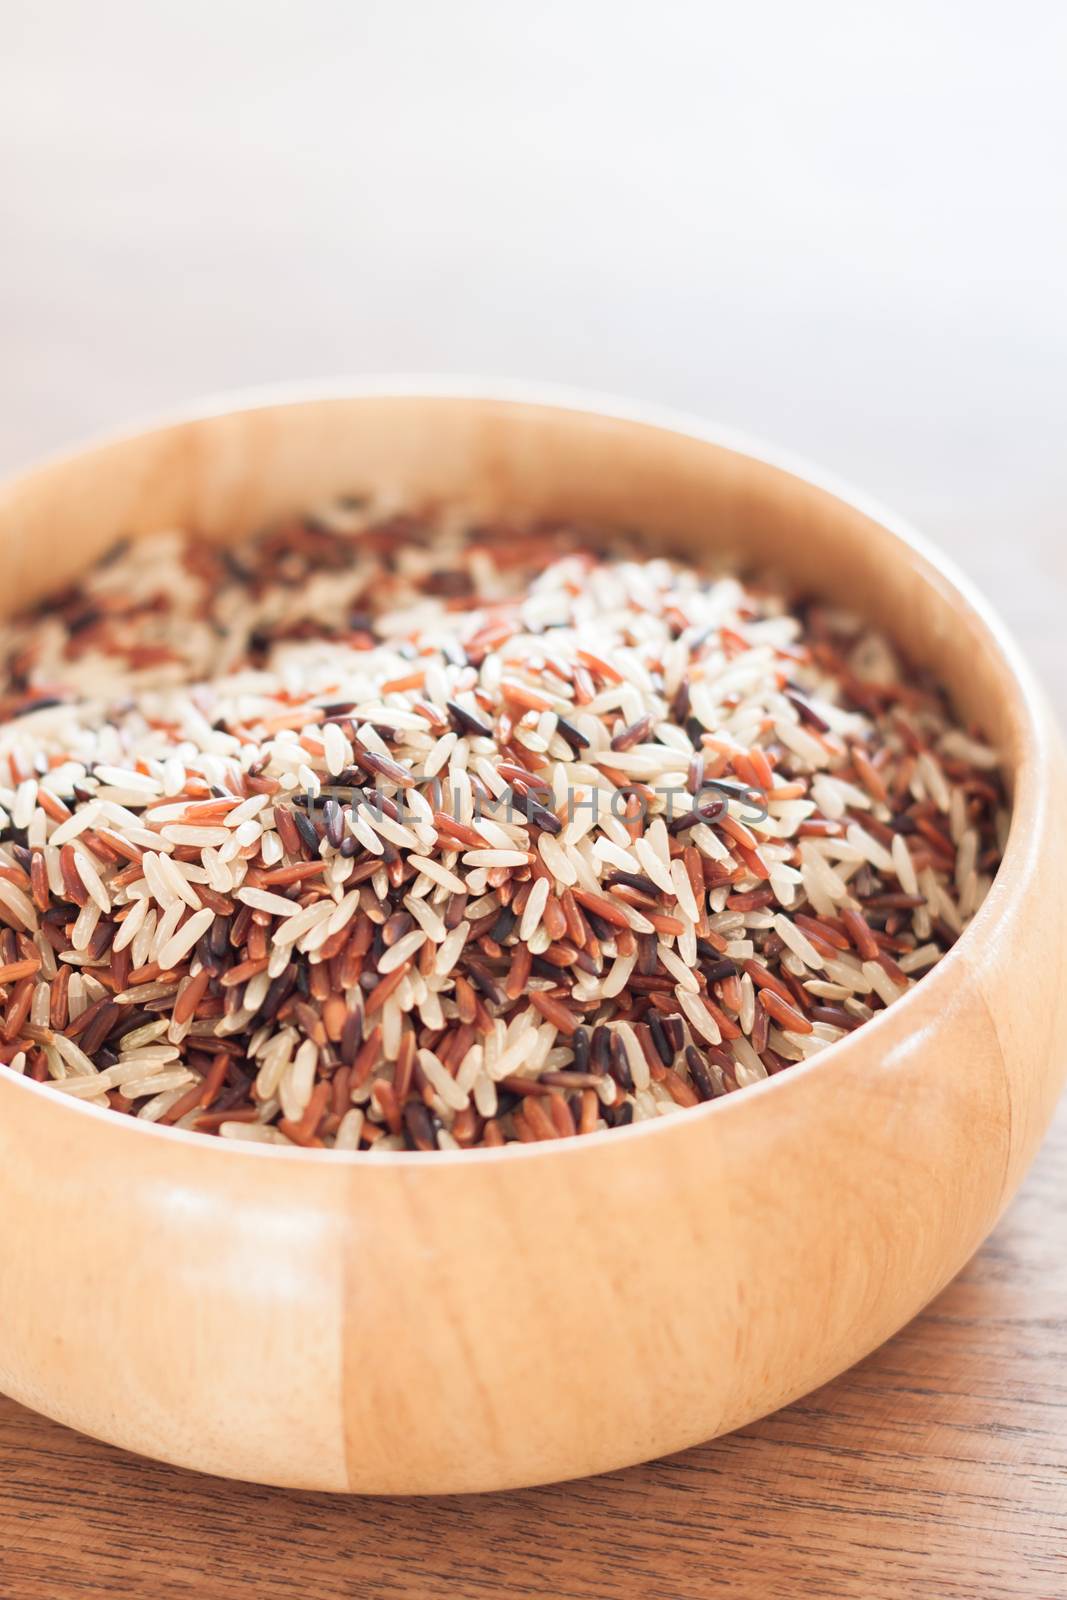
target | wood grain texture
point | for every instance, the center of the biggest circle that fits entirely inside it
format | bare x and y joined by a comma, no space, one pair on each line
935,1467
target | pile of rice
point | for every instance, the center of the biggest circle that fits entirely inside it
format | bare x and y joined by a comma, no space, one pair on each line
396,833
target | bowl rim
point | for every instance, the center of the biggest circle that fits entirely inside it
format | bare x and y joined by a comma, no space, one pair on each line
1026,715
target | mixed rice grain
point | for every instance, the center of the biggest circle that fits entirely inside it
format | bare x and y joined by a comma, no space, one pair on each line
395,833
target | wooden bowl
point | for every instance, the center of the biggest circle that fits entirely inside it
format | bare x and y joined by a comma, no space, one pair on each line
421,1323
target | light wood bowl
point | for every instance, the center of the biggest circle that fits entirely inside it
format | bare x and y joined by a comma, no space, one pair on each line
479,1321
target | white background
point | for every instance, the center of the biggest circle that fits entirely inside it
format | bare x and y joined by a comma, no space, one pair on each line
839,226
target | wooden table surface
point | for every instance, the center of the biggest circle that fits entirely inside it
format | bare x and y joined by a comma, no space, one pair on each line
857,259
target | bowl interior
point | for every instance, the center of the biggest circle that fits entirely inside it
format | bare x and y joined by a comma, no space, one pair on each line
226,474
